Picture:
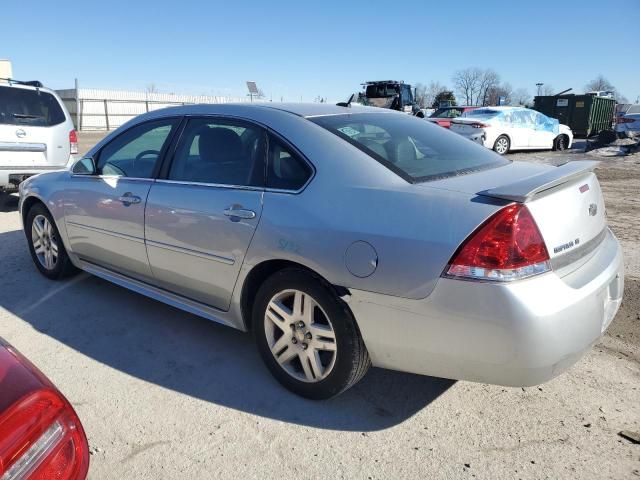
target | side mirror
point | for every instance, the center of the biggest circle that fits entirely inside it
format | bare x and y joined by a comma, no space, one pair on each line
84,166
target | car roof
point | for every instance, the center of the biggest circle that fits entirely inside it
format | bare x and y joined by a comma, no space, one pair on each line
305,110
25,87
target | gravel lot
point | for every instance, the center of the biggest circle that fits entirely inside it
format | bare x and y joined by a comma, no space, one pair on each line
163,394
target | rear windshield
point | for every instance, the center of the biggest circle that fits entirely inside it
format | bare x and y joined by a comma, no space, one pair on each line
414,149
447,113
19,106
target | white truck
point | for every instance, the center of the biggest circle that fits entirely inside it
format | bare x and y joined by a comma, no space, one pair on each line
36,132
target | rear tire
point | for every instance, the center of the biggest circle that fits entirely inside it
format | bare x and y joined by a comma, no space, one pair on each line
45,245
298,317
502,145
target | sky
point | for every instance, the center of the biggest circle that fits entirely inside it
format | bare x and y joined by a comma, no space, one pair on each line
299,50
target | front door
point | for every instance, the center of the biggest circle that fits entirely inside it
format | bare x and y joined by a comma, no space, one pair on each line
201,217
105,211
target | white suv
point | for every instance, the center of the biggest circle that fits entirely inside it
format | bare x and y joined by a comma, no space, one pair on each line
36,133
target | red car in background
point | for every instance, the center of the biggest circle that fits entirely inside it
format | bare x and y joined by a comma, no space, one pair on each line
41,436
443,116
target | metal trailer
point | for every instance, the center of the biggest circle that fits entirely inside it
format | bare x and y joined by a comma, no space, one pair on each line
586,115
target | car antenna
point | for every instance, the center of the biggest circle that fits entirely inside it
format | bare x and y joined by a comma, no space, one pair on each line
347,103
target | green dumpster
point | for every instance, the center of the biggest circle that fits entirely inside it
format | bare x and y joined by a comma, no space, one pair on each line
586,115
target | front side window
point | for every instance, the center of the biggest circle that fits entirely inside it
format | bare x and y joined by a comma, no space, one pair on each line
447,113
285,170
136,152
21,106
416,150
221,152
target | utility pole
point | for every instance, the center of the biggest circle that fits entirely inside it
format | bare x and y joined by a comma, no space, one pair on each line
539,85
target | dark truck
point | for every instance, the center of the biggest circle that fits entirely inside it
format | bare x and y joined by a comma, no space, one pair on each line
392,94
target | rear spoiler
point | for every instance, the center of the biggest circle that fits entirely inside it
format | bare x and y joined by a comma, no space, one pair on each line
525,189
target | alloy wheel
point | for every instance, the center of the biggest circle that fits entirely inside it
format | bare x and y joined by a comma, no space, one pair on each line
502,145
45,243
300,336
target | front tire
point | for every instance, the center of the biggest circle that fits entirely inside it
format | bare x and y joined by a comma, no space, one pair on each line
502,145
307,336
45,245
560,143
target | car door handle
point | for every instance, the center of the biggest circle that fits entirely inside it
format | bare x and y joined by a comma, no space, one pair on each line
236,211
128,198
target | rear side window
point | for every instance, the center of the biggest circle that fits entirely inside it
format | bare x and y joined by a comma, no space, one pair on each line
285,170
19,106
416,150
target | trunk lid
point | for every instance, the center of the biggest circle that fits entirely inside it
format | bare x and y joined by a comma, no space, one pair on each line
566,203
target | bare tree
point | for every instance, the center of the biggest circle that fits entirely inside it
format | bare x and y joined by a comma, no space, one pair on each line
435,88
498,92
467,83
599,83
421,94
521,96
151,88
547,90
489,80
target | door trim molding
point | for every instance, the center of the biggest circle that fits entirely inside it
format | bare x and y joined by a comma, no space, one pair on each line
188,251
106,232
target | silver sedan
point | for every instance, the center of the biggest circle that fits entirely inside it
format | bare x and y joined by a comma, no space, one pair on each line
342,238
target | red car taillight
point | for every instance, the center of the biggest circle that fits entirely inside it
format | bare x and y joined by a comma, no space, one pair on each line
624,120
73,141
508,246
480,125
41,436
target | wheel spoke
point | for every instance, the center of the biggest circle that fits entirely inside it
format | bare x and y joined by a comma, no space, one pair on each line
287,355
316,365
47,227
54,251
309,309
278,316
37,246
308,371
299,302
38,228
282,342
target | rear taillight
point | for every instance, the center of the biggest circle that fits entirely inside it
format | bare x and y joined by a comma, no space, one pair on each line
624,120
508,246
73,141
480,125
41,438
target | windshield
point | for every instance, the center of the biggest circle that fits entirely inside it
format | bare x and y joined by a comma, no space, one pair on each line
447,113
414,149
382,90
19,106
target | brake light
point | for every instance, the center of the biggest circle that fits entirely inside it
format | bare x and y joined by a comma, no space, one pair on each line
41,436
508,246
480,125
73,141
624,120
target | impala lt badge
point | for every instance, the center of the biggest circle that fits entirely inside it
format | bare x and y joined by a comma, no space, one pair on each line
593,209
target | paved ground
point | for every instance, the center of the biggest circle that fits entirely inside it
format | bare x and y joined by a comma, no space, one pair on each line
163,394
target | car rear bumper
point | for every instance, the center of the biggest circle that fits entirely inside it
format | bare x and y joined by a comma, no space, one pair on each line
515,334
11,177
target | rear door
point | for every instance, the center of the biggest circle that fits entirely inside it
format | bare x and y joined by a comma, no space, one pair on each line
34,128
105,212
542,135
201,216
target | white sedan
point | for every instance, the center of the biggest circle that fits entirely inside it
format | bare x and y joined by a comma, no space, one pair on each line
512,128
